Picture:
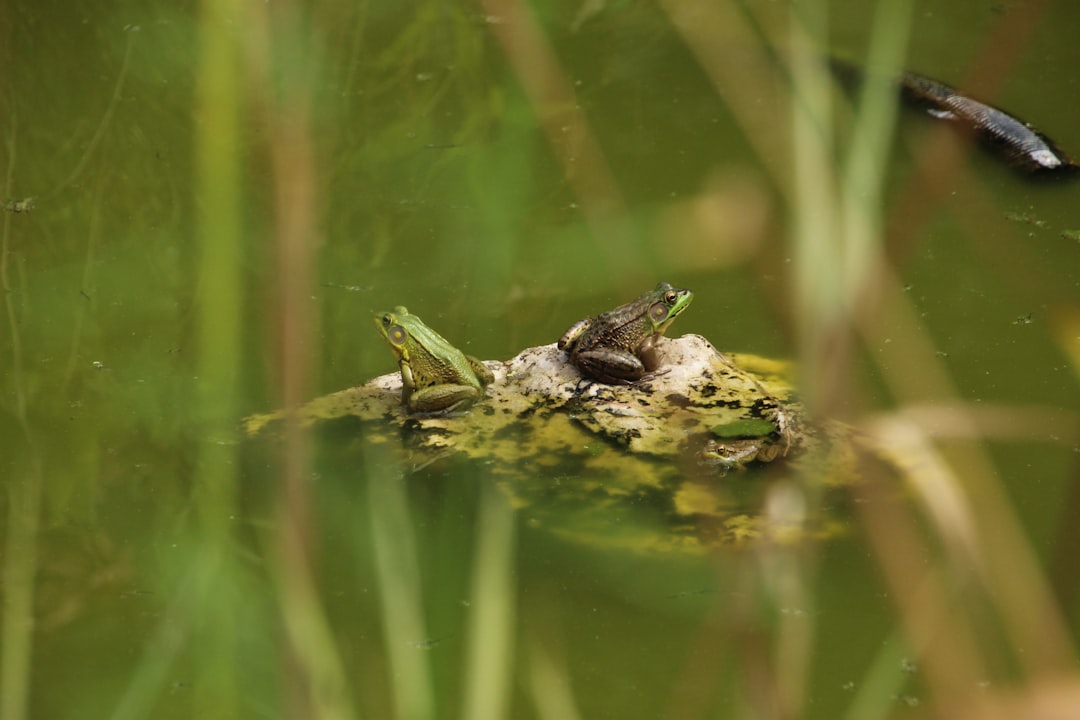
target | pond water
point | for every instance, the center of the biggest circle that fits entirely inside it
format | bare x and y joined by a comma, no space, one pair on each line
221,196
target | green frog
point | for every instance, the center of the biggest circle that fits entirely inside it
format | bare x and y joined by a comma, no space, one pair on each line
436,377
618,347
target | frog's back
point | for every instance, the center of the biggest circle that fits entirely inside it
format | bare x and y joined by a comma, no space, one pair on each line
446,365
613,329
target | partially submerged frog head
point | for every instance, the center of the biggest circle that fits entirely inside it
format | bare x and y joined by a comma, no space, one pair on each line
435,375
618,346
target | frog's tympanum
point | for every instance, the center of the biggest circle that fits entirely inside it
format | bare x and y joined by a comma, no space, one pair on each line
435,375
619,346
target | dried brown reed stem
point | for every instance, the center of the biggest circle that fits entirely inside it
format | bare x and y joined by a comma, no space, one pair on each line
281,66
573,142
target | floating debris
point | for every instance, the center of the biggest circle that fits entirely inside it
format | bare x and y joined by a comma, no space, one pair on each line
1026,218
1024,319
20,206
690,593
1021,143
350,288
906,700
428,643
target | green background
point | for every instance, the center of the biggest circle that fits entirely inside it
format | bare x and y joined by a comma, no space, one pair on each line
155,565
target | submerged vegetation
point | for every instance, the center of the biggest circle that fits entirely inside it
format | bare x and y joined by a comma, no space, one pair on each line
204,206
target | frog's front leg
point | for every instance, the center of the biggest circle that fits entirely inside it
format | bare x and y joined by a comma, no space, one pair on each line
650,356
610,365
443,398
482,372
408,383
650,359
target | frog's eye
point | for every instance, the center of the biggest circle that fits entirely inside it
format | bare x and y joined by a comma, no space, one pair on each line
670,297
658,312
397,334
387,320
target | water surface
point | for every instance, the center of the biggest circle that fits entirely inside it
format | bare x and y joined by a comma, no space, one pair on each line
503,175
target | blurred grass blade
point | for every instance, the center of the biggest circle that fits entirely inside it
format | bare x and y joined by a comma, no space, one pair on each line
558,112
220,306
20,570
220,247
552,692
318,683
489,667
868,154
876,691
401,593
23,489
311,637
106,119
159,656
819,305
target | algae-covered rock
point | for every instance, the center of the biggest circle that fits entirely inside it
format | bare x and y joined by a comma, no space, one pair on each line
635,465
701,397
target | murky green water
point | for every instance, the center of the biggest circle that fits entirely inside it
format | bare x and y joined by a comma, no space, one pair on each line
503,175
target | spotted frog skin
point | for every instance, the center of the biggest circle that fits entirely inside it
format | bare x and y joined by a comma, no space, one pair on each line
619,346
436,377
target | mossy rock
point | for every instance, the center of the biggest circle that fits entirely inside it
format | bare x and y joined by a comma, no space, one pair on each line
589,459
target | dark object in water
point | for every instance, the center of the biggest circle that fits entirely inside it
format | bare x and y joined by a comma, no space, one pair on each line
1023,144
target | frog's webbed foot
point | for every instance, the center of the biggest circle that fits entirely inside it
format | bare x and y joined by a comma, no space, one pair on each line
442,399
652,375
456,410
433,459
785,429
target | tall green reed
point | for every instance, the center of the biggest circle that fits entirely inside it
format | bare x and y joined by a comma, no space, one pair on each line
24,489
215,606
